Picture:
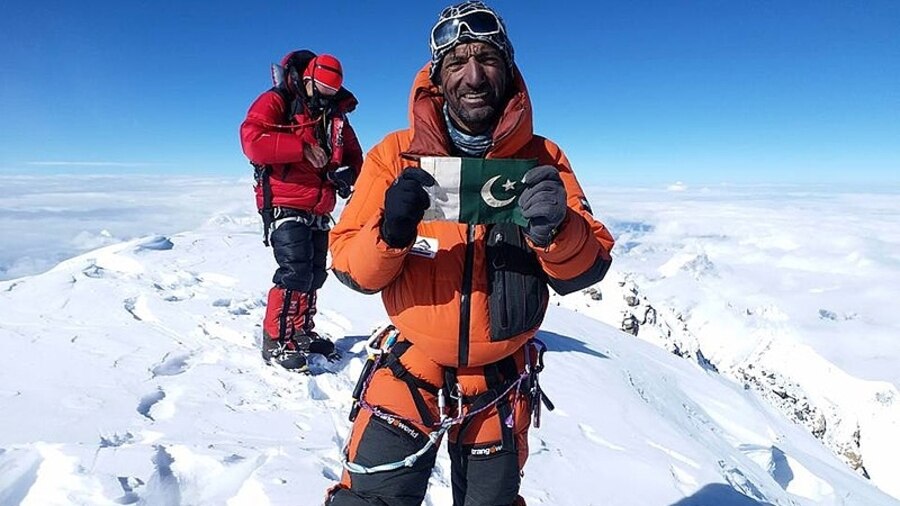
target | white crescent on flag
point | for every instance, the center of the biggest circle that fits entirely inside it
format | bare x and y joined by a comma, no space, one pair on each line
489,198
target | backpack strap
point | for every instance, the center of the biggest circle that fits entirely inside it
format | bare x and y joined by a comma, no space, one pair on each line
261,174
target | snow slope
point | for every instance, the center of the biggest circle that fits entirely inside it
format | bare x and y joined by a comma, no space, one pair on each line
131,374
790,291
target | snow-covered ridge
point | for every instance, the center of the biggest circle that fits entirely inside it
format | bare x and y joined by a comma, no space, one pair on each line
833,406
132,375
785,293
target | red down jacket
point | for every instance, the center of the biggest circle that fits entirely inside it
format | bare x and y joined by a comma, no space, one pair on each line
267,140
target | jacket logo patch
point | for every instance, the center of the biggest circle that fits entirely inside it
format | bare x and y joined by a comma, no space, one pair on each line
490,450
425,247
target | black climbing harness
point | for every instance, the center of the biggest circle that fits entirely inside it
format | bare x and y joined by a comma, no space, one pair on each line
501,378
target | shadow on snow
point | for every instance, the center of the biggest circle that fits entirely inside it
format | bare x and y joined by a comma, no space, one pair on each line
719,494
559,342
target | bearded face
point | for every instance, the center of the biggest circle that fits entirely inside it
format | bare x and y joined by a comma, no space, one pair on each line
474,78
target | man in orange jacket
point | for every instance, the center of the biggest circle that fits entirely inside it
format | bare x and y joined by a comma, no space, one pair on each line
467,311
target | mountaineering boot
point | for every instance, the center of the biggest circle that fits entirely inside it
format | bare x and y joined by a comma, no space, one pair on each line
311,342
288,329
285,354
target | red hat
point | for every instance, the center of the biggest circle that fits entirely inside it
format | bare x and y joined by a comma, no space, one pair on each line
325,70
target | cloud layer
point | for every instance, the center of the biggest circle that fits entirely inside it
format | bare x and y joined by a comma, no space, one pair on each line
48,218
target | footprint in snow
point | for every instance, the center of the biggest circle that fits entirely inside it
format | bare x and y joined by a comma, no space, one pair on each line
184,475
116,440
93,271
172,365
240,307
129,484
139,309
156,243
162,487
178,285
316,392
148,401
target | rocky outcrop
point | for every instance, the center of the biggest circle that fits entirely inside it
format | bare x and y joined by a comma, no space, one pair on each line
669,328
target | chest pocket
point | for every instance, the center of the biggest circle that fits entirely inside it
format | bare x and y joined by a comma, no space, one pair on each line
517,285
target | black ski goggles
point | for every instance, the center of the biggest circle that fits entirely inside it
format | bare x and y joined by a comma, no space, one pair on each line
480,23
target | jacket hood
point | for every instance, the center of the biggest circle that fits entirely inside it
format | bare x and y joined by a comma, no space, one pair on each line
429,131
346,101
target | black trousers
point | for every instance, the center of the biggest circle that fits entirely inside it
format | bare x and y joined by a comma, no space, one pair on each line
300,250
477,480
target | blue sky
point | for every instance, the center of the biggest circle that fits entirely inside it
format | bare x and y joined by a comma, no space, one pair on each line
644,91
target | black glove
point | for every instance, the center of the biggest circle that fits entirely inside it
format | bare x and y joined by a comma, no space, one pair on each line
343,179
405,203
543,204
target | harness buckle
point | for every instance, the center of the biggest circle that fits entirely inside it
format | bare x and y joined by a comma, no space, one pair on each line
442,405
459,399
382,339
535,393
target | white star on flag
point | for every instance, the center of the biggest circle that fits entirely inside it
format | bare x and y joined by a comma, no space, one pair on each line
509,185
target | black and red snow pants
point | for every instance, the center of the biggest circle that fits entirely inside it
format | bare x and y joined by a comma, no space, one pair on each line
487,451
300,244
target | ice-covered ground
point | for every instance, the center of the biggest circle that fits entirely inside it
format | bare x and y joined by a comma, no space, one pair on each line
130,374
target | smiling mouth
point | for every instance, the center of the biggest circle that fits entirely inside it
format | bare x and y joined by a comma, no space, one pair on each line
475,97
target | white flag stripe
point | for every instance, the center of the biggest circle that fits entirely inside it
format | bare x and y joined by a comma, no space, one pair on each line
444,195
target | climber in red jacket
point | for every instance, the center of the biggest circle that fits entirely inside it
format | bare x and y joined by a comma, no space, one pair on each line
304,150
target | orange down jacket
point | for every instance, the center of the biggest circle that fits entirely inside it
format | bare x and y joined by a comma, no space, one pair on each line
441,304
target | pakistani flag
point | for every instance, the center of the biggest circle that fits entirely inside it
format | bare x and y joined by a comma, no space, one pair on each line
475,190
